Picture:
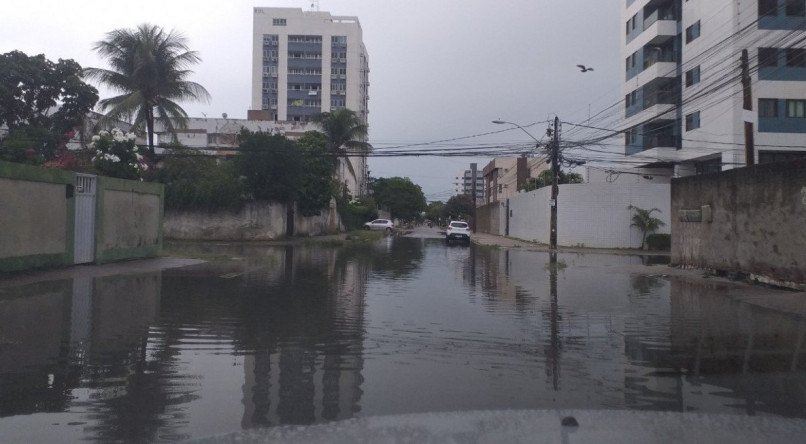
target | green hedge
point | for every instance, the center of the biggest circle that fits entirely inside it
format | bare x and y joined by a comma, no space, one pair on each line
659,242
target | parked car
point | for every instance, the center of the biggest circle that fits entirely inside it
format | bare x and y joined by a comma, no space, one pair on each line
379,224
457,230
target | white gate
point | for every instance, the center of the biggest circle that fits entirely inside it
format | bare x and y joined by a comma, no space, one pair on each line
84,250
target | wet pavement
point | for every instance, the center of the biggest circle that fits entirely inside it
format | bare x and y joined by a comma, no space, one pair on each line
304,334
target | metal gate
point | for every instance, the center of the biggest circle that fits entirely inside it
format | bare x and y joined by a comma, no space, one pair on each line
84,250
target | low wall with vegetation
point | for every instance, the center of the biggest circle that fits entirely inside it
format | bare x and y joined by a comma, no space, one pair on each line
36,216
256,221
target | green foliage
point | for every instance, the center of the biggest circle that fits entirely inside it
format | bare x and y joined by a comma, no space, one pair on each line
644,221
115,154
271,166
345,133
355,213
316,186
149,66
460,206
197,182
659,241
400,195
436,211
40,103
547,177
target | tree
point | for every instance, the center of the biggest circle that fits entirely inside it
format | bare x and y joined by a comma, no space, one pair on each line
316,184
149,67
345,133
643,220
270,165
400,196
436,211
547,177
460,206
41,102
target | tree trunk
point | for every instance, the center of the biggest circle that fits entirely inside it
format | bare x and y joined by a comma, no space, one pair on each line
150,133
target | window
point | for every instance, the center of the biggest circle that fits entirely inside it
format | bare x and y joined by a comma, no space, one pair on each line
338,39
767,57
631,99
631,136
796,8
692,121
767,7
796,57
692,32
631,24
780,156
278,22
796,108
693,76
768,107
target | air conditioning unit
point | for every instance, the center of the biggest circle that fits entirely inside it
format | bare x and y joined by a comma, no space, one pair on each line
334,76
312,92
273,107
343,76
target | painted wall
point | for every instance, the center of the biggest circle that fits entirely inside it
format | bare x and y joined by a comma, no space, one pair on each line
759,215
589,215
36,217
255,222
128,219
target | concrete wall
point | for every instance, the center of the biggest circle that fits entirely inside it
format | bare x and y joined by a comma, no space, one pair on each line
128,219
489,218
758,225
36,217
255,222
590,215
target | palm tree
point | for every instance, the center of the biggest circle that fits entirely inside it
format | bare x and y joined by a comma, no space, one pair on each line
149,66
345,134
643,220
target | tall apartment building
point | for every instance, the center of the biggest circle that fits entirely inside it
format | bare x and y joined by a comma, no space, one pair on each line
465,182
308,62
685,105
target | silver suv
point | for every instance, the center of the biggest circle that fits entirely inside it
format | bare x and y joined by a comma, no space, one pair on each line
457,230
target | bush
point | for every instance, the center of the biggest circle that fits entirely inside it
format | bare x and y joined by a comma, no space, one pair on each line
659,242
115,154
355,213
196,182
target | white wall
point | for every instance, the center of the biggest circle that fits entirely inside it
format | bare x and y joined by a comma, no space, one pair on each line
593,215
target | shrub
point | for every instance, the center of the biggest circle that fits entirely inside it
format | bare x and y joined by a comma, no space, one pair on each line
197,182
115,154
659,241
355,213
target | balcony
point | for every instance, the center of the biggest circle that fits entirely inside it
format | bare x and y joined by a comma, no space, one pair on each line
661,141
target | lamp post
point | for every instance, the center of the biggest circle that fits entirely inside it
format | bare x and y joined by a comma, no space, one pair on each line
554,151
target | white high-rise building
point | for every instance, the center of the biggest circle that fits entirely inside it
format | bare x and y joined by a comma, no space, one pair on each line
308,62
685,103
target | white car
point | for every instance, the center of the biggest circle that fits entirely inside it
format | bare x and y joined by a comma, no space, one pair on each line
379,224
457,230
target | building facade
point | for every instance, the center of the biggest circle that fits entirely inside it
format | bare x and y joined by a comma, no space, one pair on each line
503,176
692,105
464,183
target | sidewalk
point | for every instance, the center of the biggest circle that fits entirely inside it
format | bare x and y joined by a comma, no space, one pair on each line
493,240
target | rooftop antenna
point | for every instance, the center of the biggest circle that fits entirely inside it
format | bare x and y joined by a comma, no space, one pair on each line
315,5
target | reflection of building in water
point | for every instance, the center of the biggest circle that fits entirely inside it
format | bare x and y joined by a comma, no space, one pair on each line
308,371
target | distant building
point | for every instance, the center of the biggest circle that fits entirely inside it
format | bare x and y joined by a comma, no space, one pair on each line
308,62
685,110
464,183
503,176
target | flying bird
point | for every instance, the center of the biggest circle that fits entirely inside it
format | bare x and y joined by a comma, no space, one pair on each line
583,68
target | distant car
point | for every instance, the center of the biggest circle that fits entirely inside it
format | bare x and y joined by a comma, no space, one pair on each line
379,224
457,230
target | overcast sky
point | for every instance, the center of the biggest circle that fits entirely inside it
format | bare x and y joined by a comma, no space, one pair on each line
439,69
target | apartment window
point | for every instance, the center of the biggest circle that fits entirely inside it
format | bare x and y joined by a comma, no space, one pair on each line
767,7
692,32
693,76
339,39
767,57
631,24
796,8
796,108
631,136
278,22
631,99
768,107
692,121
780,156
796,57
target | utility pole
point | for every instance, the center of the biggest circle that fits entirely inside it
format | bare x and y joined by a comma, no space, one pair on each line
555,189
747,89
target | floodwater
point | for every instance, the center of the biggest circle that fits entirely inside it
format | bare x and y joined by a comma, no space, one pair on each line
267,336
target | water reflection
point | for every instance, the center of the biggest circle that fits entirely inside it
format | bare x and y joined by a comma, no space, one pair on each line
264,336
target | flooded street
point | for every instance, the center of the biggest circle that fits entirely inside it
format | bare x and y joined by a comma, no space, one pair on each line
272,335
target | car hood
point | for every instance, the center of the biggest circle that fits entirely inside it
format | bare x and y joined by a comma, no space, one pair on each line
530,426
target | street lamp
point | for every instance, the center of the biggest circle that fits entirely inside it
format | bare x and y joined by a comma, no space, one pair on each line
555,170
